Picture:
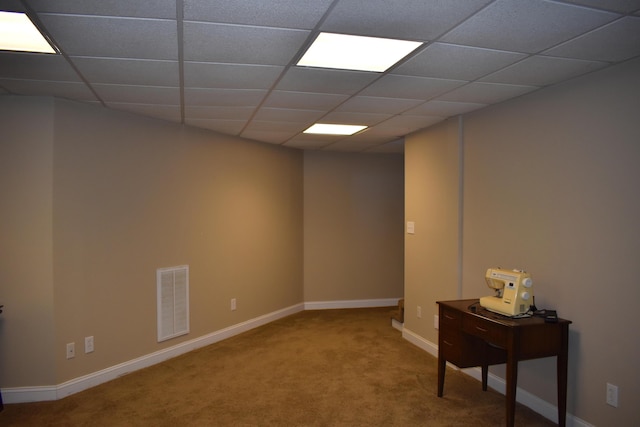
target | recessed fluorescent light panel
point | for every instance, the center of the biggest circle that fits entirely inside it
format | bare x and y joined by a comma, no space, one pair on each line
17,33
330,129
348,52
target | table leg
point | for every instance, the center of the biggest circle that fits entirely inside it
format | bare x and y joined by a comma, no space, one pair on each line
485,375
512,381
442,365
562,362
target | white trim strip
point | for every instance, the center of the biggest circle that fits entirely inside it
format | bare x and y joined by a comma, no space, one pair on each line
44,393
365,303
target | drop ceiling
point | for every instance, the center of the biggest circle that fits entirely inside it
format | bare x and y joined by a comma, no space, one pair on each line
229,65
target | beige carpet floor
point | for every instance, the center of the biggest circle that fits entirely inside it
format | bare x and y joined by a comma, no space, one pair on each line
315,368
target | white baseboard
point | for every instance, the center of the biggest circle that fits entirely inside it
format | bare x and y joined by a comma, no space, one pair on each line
529,400
44,393
364,303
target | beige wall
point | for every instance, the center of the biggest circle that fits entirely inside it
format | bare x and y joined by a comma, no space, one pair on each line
26,242
128,196
353,213
432,195
550,185
94,201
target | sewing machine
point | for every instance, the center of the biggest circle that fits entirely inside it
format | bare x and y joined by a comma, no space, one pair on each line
514,292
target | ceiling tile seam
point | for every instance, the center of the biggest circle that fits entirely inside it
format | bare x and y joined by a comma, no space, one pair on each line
180,47
188,61
462,21
142,104
593,30
124,58
260,27
381,75
128,85
34,16
312,37
593,7
541,53
620,16
526,57
295,58
78,15
426,43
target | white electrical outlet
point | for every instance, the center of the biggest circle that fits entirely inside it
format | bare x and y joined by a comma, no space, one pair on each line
233,304
612,395
88,344
419,312
411,227
71,350
436,321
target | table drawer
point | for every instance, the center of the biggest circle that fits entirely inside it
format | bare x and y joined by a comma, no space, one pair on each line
485,329
450,319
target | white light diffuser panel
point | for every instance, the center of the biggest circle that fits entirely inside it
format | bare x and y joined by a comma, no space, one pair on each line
17,33
349,52
334,129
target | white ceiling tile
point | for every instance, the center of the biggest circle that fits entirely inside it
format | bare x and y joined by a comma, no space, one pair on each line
13,6
230,76
614,42
526,26
347,118
128,71
234,60
455,62
223,97
371,137
287,115
396,146
486,93
290,127
542,71
15,65
278,132
69,90
309,142
444,108
163,112
400,19
114,37
274,13
325,81
140,9
303,100
218,113
624,6
271,136
237,44
138,94
410,87
372,104
405,123
229,127
382,132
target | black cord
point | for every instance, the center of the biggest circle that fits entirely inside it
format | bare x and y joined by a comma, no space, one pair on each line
474,306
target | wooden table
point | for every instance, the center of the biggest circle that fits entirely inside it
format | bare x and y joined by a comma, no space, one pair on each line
471,336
